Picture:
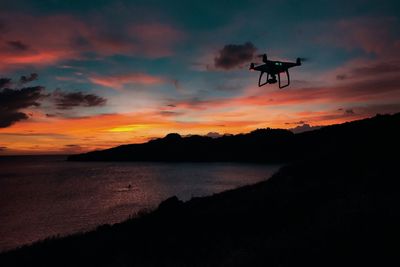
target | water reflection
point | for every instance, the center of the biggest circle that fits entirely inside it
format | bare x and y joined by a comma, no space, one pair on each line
44,196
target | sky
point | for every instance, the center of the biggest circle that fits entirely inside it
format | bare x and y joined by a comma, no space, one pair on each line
77,76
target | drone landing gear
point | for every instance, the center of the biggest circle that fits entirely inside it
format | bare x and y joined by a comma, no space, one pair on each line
259,80
288,80
273,79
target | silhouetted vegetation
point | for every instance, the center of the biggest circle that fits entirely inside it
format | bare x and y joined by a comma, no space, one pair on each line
337,205
254,146
262,145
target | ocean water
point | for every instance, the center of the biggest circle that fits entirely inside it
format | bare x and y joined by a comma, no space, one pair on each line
42,196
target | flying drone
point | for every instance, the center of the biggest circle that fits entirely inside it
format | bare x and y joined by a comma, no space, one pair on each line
272,69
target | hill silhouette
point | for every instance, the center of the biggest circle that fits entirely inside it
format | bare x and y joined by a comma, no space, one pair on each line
262,145
337,205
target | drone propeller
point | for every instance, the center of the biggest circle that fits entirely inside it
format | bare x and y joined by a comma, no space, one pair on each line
263,56
304,59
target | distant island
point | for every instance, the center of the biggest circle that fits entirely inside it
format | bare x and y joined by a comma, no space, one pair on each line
335,204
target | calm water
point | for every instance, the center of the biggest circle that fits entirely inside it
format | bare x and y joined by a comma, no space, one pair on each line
45,196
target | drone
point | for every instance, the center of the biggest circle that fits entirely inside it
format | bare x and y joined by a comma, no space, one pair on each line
273,68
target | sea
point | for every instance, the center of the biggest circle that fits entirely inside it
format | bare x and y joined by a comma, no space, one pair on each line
47,196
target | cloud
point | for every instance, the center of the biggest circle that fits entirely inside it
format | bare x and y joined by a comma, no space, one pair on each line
4,82
64,100
13,100
381,88
296,122
118,81
376,68
31,133
177,85
349,111
27,79
155,39
170,113
53,39
370,34
72,148
9,118
232,56
368,70
18,45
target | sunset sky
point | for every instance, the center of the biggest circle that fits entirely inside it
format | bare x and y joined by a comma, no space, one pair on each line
83,75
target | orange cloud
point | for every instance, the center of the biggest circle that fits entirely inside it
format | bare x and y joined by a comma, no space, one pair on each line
118,81
371,34
39,58
70,135
47,40
54,134
380,89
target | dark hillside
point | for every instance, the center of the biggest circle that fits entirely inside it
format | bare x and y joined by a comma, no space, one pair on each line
263,145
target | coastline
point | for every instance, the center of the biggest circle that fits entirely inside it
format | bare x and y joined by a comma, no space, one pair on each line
301,209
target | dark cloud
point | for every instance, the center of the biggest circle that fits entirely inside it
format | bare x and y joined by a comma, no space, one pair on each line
171,105
27,79
170,113
13,100
232,56
4,82
66,100
73,146
296,122
2,148
18,45
349,111
7,119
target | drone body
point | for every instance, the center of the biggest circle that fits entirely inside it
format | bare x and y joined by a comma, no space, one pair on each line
273,69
